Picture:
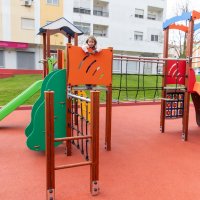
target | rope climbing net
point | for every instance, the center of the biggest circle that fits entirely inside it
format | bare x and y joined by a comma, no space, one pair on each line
137,78
80,122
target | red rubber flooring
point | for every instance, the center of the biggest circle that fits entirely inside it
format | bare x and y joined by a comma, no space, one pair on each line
143,164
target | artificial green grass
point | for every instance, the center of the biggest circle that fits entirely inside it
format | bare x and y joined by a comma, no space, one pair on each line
11,87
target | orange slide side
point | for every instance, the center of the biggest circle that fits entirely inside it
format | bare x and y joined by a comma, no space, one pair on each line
197,88
196,100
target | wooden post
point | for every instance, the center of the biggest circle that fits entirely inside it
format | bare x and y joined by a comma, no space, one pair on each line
50,155
69,129
69,39
76,92
188,66
75,39
60,59
44,54
94,131
48,49
163,102
108,118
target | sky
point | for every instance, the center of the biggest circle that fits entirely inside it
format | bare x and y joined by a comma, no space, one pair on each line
172,5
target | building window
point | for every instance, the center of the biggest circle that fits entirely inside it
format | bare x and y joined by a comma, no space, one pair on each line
1,59
155,13
82,6
151,16
100,13
139,13
82,10
154,38
27,23
147,68
84,27
99,30
25,60
116,66
53,2
138,36
132,67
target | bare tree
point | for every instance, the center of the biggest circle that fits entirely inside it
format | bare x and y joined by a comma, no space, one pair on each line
178,40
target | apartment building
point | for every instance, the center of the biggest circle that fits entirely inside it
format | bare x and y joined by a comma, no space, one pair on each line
130,27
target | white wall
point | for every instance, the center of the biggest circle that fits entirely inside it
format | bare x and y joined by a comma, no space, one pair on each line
122,24
10,59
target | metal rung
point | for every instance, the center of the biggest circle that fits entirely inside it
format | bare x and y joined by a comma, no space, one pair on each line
166,99
174,88
86,88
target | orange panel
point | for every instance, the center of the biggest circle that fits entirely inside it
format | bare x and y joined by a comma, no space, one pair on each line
93,69
179,27
195,15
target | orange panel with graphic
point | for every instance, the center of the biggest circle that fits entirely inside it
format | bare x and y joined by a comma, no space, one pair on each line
89,69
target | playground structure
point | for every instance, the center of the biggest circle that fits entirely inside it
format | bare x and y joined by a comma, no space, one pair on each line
178,82
172,80
69,115
179,79
70,118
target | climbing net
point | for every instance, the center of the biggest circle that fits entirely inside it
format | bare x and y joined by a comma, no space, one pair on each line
137,78
80,122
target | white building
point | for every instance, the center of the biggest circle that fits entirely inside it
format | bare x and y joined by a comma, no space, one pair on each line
131,27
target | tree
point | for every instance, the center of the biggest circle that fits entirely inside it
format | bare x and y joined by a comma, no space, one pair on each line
178,39
177,42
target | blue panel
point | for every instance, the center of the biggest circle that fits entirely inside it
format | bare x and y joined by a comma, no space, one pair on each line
184,16
196,27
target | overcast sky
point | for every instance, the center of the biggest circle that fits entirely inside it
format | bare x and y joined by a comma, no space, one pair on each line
172,5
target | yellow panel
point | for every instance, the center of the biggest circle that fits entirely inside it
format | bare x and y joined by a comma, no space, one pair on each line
51,13
17,33
1,33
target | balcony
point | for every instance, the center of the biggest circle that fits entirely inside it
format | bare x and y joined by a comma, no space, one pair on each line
155,13
101,8
100,30
100,13
82,10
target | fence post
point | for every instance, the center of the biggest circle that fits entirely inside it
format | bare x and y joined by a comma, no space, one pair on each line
108,117
50,155
94,131
69,129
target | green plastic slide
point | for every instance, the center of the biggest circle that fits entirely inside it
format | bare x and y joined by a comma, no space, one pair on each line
20,99
35,131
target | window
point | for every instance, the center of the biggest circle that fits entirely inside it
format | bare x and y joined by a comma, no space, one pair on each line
82,6
151,16
139,13
132,67
147,68
25,60
27,23
154,38
155,13
1,59
138,36
100,30
82,10
100,11
116,66
84,27
53,2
